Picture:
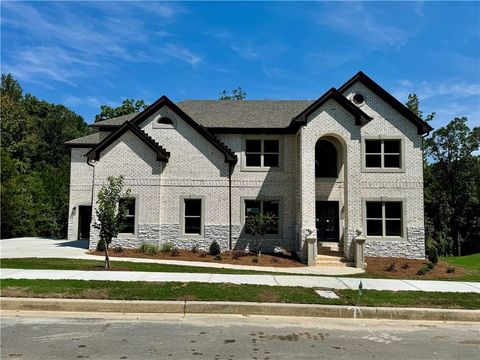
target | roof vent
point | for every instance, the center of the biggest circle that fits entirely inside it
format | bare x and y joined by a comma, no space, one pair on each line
358,99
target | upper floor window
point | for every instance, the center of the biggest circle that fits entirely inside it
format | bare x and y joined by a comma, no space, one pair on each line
384,218
383,154
262,153
325,159
128,223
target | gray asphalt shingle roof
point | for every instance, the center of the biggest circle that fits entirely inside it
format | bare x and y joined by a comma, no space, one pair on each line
223,114
236,114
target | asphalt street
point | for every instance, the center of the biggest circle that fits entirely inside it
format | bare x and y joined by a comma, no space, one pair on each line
37,335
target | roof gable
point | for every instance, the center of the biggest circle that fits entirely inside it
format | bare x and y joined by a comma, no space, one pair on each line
230,156
360,117
162,154
422,126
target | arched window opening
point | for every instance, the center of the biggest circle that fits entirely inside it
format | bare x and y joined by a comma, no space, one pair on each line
325,160
164,121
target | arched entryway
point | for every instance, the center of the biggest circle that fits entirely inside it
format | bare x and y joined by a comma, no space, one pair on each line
330,160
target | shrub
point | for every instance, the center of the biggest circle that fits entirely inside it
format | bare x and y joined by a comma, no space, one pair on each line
218,257
214,248
194,249
433,256
405,266
275,260
101,245
430,265
255,259
167,247
423,270
203,254
118,249
450,269
175,252
148,248
391,268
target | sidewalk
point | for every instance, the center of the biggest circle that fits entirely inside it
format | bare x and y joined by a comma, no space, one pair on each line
270,280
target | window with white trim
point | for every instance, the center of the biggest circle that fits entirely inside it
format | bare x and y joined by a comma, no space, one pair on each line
262,153
255,207
383,154
128,222
192,216
384,218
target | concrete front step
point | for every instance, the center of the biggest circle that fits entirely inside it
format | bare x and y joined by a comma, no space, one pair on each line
334,263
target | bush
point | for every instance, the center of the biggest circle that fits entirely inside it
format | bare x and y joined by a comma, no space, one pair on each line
203,254
450,269
423,270
214,248
148,248
405,266
430,265
118,249
275,260
432,256
218,257
101,245
255,259
194,249
175,252
391,268
167,247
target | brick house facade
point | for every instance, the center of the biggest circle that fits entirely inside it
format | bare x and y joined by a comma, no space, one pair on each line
197,169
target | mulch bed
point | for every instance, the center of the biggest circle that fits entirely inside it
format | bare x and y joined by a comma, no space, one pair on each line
396,268
277,259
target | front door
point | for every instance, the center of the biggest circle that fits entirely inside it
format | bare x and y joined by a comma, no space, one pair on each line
84,219
327,221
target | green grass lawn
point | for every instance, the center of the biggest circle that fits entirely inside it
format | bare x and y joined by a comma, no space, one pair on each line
469,262
98,265
228,292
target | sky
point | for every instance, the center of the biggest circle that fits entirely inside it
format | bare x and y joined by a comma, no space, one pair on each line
85,54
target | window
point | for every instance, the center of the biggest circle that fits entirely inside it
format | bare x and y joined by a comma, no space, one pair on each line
262,153
128,223
192,216
383,154
325,159
255,207
165,121
384,218
358,99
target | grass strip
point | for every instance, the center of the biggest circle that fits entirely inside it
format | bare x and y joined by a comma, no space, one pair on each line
136,290
98,265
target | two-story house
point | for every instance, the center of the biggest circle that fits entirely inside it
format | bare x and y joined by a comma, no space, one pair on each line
198,168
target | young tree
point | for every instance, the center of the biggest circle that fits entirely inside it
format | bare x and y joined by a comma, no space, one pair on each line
237,94
128,106
258,225
110,214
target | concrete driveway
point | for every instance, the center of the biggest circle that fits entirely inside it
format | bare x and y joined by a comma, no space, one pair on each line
42,248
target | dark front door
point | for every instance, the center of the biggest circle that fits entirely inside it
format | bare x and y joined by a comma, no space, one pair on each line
84,219
327,220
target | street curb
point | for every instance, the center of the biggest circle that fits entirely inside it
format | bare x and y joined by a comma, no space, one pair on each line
238,308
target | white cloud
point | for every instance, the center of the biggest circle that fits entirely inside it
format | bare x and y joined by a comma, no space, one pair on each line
428,89
81,42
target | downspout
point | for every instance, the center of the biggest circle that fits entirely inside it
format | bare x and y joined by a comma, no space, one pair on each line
230,171
93,178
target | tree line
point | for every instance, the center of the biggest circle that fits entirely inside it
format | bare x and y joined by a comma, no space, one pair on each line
35,169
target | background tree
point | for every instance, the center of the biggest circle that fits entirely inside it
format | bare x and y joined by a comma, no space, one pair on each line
451,186
109,212
237,94
35,168
128,106
258,225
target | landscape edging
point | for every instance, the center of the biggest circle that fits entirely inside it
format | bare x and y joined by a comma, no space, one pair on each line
239,308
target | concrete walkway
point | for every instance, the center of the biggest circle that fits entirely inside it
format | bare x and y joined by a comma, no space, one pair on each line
66,249
270,280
